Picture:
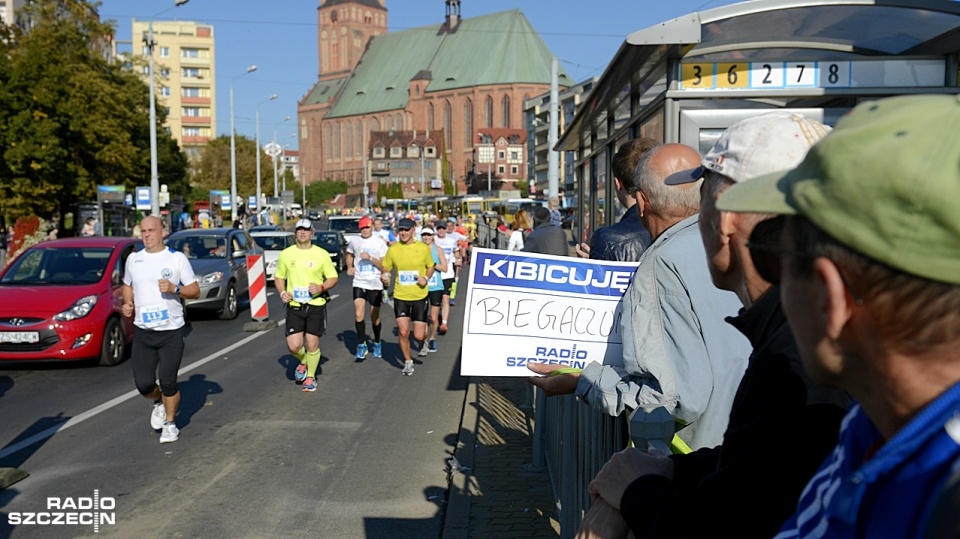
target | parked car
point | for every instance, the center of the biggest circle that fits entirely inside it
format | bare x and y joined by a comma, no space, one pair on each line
349,225
61,299
272,243
265,228
219,259
334,243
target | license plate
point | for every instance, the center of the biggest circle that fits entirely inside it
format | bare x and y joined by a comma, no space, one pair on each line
20,336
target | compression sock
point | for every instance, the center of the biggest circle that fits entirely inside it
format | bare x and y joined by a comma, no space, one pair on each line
361,331
313,361
300,354
376,332
453,290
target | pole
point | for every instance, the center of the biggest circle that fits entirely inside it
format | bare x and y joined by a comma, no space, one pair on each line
259,190
489,188
233,162
422,179
276,184
553,157
154,174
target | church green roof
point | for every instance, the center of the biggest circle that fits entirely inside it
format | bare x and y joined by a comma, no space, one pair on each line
501,48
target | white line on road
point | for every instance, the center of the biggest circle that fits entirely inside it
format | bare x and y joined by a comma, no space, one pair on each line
77,419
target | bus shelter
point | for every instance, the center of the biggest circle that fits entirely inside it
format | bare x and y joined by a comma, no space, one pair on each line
687,79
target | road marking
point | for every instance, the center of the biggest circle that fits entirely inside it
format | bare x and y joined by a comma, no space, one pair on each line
76,420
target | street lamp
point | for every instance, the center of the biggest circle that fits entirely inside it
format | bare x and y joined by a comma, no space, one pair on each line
276,185
154,174
259,189
233,150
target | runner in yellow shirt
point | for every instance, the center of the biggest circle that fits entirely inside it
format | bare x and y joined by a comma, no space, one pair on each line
414,267
304,273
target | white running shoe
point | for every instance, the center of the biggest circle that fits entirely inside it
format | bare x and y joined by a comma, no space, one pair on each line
423,350
170,433
407,368
158,416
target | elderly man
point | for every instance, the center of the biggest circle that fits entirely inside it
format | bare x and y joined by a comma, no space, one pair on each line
707,492
546,238
677,350
870,266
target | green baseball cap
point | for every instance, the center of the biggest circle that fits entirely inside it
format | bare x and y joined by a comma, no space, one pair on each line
885,183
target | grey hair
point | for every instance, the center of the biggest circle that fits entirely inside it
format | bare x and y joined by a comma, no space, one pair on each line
667,200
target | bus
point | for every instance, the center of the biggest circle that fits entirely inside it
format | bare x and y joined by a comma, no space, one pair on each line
509,207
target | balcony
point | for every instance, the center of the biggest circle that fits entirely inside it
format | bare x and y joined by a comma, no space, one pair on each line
194,100
195,120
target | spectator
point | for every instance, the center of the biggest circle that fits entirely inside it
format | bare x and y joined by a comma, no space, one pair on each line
870,264
555,217
626,239
677,351
88,228
518,229
546,238
777,406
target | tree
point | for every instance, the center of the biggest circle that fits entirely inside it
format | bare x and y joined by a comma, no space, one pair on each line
320,192
213,168
69,119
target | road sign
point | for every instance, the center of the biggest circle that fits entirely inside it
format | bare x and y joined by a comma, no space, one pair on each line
143,198
252,202
273,149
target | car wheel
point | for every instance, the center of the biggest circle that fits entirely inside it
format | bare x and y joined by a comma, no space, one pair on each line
114,344
229,311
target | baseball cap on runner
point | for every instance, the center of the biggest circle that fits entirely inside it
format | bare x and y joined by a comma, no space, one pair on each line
884,183
756,146
406,223
365,221
304,223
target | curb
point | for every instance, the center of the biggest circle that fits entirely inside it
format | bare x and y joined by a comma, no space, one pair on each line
456,522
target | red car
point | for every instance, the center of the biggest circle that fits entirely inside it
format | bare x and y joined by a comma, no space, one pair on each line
61,299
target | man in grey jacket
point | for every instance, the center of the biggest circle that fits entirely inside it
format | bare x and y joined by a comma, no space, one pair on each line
677,350
545,238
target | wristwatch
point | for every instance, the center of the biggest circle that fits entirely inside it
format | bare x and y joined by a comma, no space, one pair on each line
177,290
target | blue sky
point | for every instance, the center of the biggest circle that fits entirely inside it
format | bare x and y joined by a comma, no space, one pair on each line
280,38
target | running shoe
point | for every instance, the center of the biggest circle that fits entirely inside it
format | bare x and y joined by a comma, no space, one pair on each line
452,302
361,350
310,385
443,329
157,416
377,350
423,350
170,432
407,368
433,346
301,373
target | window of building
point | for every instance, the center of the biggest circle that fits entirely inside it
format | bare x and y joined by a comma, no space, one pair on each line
189,91
191,72
146,71
165,72
430,117
505,112
165,91
488,112
192,112
468,123
379,153
501,169
513,170
514,156
430,151
189,52
501,155
358,138
164,52
348,140
396,151
191,131
413,151
447,124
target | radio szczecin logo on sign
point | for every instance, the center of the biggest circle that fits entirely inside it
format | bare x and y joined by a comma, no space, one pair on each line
80,511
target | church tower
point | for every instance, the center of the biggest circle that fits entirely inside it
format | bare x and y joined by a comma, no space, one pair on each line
345,27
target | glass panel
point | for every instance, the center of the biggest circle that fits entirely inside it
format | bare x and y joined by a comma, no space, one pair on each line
586,199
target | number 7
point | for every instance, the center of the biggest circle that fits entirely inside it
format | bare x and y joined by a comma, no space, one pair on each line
800,76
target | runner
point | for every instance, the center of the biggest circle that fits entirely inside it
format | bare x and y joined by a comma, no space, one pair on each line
450,245
415,267
154,281
390,238
304,274
364,254
434,287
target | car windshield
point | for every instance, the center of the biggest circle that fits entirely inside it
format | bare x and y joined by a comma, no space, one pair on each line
274,243
199,246
326,239
58,265
345,225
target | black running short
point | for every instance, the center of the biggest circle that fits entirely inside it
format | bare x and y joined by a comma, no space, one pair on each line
435,297
311,319
373,297
447,286
417,311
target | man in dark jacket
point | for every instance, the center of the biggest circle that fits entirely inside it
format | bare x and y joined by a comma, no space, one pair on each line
626,239
781,423
545,238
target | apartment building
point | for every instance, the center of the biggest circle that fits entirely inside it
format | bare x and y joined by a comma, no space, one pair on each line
185,77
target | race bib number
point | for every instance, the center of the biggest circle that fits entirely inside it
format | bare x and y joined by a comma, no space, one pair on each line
301,294
436,280
367,267
154,316
408,278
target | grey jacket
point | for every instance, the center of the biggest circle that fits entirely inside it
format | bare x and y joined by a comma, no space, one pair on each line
547,239
678,351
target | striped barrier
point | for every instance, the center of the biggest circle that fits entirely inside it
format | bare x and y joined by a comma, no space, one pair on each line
258,288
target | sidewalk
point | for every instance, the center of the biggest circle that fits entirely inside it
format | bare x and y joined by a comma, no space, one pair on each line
496,494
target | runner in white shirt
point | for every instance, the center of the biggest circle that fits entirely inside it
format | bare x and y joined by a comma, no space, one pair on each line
154,281
451,249
364,254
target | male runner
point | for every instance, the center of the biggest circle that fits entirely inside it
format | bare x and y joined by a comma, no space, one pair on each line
451,248
154,281
304,273
364,254
415,267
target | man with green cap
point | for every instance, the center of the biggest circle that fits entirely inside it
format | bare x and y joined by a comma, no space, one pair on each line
870,271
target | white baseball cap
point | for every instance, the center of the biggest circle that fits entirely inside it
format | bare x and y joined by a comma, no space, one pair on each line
757,146
304,223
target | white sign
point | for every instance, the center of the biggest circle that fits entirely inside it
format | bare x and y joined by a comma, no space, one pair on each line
531,308
143,198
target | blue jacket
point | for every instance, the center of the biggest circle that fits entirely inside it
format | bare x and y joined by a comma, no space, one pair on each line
868,488
623,241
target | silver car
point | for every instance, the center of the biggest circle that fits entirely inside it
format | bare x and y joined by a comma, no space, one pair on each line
219,260
272,242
